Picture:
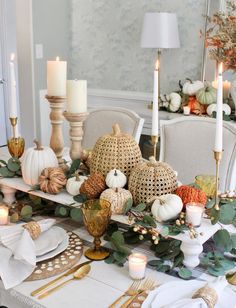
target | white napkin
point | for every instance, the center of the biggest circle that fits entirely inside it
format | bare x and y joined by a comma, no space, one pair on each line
17,252
181,295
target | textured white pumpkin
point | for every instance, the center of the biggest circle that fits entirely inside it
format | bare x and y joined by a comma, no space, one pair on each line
73,184
116,178
211,108
166,207
175,102
117,197
33,162
191,87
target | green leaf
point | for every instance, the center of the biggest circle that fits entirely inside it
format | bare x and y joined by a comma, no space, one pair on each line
227,213
155,263
3,162
215,216
216,271
112,227
62,211
185,273
164,231
74,166
222,240
233,240
6,173
128,205
118,238
26,211
164,268
140,207
81,198
227,264
210,204
149,220
13,165
110,259
119,257
76,214
36,200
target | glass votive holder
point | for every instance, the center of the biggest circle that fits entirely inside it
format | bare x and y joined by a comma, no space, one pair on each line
194,212
186,110
4,210
137,265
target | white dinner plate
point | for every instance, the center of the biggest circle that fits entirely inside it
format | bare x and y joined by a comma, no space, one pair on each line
184,289
60,248
49,240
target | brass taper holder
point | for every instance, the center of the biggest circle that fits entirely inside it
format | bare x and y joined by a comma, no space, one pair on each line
16,145
217,156
154,140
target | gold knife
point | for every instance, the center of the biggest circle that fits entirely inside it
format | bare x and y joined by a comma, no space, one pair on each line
50,283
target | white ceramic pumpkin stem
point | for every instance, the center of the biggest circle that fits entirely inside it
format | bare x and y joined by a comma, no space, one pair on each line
116,129
115,173
190,80
77,176
38,145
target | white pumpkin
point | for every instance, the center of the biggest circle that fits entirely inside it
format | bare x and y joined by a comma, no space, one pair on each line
73,184
191,87
117,198
33,162
211,108
116,178
175,102
166,207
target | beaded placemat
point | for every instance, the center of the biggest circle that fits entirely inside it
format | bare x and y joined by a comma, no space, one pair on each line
60,263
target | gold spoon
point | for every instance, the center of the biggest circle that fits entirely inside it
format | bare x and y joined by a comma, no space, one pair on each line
79,274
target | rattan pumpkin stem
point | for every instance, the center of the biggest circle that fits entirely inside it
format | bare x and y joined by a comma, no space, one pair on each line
38,145
152,160
77,176
116,129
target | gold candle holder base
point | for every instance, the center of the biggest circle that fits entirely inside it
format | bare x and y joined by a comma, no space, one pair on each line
57,105
76,121
154,140
217,157
16,145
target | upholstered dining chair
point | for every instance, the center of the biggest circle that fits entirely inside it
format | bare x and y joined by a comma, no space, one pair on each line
100,121
187,145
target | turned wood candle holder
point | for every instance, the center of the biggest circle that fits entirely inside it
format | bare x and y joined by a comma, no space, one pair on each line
57,105
76,132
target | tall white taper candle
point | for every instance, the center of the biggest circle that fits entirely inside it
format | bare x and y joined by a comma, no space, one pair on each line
219,110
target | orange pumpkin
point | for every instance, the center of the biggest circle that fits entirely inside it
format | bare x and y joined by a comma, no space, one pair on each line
195,106
93,186
191,194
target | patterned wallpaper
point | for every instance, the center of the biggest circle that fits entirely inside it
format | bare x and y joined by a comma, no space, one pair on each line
105,44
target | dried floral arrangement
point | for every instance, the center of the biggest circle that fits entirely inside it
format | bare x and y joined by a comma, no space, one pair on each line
221,36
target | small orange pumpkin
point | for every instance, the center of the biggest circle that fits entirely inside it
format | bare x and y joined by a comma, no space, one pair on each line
195,106
93,186
191,194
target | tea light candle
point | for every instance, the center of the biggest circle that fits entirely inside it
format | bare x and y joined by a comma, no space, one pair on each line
3,215
194,213
137,265
186,110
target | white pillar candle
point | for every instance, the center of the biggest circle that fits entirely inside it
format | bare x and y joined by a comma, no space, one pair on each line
155,101
194,213
3,215
56,77
186,110
13,100
219,115
76,92
137,265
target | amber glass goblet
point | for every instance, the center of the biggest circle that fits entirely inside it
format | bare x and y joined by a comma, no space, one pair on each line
16,146
96,216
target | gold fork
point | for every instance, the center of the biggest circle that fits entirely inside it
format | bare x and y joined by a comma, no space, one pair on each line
148,284
132,290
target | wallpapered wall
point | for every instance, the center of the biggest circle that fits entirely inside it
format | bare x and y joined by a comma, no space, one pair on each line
105,44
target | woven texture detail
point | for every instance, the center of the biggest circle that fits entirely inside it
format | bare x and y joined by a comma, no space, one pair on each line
150,179
116,150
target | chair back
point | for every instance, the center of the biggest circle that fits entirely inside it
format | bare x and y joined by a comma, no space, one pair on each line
187,144
100,121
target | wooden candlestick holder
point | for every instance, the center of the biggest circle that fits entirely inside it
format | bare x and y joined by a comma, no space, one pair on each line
218,157
57,105
76,132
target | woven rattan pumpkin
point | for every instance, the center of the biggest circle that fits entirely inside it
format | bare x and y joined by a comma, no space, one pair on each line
93,186
52,180
151,179
117,197
115,151
191,194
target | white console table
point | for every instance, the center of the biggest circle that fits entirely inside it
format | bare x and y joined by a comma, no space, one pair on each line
191,248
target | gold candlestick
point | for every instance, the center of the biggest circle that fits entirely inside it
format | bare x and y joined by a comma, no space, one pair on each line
217,156
76,132
154,139
15,144
56,117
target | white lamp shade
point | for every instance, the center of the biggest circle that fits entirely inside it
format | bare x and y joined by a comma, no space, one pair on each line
160,30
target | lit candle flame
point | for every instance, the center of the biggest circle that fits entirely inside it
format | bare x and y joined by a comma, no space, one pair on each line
220,68
57,59
12,57
157,65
